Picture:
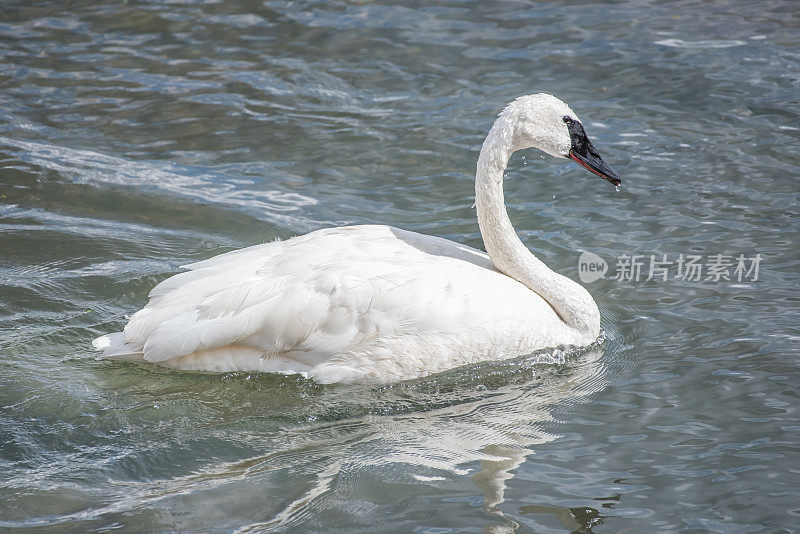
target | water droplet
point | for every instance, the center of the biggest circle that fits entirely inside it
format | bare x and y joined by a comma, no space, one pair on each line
617,188
554,196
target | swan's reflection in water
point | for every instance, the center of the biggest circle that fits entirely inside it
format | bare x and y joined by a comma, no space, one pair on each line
367,449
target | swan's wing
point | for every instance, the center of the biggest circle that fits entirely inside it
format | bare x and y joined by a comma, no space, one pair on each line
309,296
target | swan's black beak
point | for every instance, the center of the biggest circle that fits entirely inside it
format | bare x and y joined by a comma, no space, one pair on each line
584,153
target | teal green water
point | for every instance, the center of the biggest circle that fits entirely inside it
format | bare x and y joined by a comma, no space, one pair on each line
139,136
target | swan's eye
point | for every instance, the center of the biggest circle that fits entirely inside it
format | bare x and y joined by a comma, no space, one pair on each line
567,119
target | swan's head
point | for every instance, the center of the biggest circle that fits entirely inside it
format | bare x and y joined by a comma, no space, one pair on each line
543,121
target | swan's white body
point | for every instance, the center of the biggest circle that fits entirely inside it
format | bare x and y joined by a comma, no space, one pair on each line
372,303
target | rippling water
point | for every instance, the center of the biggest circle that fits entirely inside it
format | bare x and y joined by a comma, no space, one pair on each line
139,136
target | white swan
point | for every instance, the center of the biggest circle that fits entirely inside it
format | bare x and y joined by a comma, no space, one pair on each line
376,303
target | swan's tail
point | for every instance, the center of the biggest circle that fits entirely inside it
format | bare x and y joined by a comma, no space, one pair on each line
115,348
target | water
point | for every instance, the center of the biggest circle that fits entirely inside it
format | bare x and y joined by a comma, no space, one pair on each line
136,137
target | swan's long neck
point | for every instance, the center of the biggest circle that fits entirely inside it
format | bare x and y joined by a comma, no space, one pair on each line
570,300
